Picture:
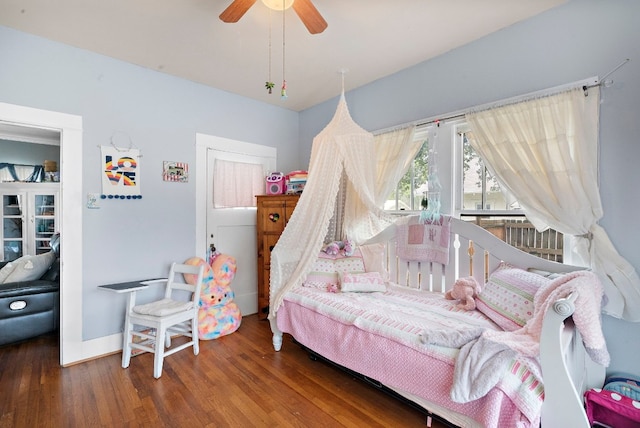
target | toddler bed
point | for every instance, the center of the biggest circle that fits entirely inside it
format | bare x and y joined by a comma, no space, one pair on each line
523,358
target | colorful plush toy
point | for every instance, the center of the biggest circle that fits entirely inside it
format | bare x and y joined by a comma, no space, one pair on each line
224,269
465,290
219,315
207,274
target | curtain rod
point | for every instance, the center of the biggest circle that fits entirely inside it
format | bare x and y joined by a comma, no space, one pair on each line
4,164
585,84
590,82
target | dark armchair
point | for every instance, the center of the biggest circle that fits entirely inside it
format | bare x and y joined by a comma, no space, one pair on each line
30,308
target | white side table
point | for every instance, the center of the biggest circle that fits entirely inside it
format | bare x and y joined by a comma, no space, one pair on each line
131,288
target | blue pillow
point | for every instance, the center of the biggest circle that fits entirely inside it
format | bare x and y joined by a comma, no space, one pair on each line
624,386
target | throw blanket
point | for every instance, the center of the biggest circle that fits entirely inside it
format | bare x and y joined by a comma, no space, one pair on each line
481,362
423,242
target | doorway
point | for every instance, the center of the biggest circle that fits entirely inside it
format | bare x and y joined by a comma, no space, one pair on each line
34,189
69,128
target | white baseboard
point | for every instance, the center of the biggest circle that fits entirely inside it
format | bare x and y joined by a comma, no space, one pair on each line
79,352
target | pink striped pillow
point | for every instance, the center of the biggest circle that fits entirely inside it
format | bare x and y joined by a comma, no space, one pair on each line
507,298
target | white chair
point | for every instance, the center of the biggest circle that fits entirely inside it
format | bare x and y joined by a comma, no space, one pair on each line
157,321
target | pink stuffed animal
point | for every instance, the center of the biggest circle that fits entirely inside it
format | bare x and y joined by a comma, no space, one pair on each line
465,290
348,248
334,248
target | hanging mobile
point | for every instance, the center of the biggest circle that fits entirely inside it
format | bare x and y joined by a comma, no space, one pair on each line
269,85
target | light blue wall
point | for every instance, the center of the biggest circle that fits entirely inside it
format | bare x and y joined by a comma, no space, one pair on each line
161,114
580,39
28,153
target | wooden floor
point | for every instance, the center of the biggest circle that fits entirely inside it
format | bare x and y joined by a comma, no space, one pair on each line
236,381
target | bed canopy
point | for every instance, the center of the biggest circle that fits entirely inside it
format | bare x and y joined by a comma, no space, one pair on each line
338,202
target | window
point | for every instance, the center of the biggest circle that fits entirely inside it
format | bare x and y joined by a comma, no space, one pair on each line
412,188
482,200
235,184
480,190
469,191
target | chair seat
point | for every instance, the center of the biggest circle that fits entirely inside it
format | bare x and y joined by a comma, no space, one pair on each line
163,307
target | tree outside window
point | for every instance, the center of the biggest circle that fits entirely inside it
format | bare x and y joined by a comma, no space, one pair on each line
412,187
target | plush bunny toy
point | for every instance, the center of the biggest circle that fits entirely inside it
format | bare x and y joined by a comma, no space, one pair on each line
465,290
218,315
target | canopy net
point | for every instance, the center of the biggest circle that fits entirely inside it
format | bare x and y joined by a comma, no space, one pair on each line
338,203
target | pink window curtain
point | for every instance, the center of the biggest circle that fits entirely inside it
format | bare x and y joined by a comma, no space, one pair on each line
236,184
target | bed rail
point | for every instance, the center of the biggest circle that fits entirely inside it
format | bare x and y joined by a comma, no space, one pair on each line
473,251
566,368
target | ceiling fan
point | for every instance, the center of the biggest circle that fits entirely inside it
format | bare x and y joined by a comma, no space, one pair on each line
305,10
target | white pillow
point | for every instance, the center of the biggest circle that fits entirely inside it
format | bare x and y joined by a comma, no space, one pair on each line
374,259
28,268
6,271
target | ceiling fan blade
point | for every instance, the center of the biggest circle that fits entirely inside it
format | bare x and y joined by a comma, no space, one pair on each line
235,10
310,16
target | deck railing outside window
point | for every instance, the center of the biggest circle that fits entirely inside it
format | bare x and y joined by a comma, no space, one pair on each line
521,234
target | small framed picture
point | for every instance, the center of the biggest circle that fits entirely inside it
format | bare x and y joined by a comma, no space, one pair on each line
175,171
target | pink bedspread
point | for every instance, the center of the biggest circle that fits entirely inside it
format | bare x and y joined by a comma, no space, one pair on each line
382,341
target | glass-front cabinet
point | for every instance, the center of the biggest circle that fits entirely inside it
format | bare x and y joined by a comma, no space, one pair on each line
44,220
13,226
29,218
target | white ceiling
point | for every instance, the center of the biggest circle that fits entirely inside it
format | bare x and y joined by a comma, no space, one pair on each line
368,38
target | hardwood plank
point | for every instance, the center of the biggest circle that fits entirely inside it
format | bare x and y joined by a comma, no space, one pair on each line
235,381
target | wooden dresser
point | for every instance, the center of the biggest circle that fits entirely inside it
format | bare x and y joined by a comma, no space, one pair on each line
274,211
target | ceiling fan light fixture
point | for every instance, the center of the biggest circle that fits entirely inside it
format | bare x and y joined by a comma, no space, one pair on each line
277,4
305,10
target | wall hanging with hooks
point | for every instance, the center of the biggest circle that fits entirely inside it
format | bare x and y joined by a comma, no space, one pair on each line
120,169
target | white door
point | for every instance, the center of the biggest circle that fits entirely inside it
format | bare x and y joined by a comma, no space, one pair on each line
233,230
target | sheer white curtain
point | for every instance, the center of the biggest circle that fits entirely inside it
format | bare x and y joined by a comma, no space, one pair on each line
545,152
394,152
342,157
236,184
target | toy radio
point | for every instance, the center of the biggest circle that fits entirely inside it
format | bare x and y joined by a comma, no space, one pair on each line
275,183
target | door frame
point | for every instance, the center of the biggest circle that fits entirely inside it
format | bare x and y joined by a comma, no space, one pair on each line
72,348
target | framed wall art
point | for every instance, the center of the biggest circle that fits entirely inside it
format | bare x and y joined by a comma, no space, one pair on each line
175,171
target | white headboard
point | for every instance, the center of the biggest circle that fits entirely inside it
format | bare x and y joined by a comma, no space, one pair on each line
473,251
